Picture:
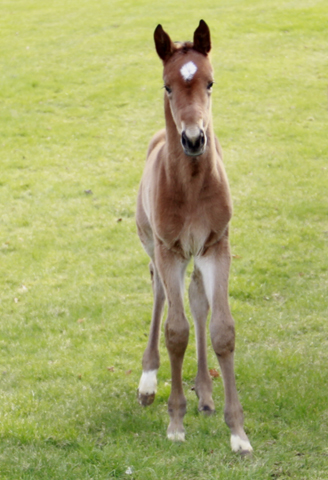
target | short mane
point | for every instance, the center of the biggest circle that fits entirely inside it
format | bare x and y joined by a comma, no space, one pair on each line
183,47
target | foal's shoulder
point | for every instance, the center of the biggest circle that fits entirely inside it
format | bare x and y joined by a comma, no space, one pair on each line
218,148
158,139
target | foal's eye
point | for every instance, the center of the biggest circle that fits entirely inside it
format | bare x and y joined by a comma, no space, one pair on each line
168,89
210,85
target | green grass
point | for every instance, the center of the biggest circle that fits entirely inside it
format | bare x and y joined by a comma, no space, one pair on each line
80,98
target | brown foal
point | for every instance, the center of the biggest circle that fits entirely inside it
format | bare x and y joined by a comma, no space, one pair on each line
183,210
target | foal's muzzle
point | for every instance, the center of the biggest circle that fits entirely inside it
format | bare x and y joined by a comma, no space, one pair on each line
193,143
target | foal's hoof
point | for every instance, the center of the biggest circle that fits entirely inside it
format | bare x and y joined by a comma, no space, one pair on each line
145,399
206,410
176,436
241,446
246,453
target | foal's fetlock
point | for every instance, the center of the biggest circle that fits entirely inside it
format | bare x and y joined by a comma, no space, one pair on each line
147,387
175,430
239,441
234,417
205,404
176,433
177,411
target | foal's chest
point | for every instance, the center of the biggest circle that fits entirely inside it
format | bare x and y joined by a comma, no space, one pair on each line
190,223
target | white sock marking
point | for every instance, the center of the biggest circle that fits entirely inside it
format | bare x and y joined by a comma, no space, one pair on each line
148,382
239,445
188,70
176,436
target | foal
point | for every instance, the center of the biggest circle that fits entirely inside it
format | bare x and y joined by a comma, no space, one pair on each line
183,210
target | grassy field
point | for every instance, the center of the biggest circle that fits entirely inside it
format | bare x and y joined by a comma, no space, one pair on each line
80,98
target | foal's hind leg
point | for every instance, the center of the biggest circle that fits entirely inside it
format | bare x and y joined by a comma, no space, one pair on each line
150,361
215,269
199,309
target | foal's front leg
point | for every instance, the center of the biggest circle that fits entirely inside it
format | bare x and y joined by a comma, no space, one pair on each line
172,269
150,360
215,270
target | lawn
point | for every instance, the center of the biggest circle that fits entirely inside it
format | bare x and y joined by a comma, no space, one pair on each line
80,99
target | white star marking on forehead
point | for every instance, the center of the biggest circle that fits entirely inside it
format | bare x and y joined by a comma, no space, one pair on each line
188,70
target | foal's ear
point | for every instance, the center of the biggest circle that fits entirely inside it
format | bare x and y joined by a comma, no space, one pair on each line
164,45
202,38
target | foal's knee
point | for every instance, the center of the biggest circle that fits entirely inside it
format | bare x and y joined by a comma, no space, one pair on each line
177,335
223,339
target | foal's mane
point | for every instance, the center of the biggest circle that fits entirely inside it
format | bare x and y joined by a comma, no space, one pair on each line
183,47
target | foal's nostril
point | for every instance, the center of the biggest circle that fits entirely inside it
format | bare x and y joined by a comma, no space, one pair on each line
184,140
193,145
201,139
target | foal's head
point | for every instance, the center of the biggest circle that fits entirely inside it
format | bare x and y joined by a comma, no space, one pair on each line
188,80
